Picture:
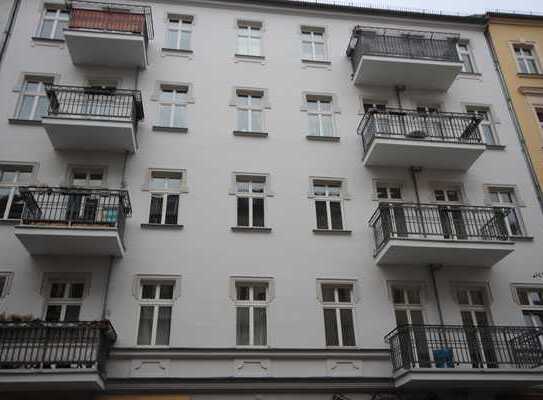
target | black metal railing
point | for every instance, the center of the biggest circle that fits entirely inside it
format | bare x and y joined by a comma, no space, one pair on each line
75,207
433,221
391,123
94,103
375,41
111,17
55,345
463,346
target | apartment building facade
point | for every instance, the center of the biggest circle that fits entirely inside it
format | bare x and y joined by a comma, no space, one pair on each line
262,200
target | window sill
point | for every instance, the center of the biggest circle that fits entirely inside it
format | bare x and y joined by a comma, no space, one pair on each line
251,134
159,128
250,229
522,238
249,57
10,221
171,50
495,147
323,138
332,232
40,39
470,74
162,226
533,76
17,121
319,62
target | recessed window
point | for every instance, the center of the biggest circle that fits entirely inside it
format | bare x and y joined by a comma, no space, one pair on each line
172,106
386,191
526,59
249,38
320,116
464,52
448,195
251,313
87,177
250,111
531,301
328,204
52,23
505,201
156,299
33,102
487,129
408,306
250,195
313,44
539,115
165,188
179,33
11,177
337,303
64,300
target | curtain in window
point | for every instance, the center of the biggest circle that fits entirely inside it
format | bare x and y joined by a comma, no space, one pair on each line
259,316
145,325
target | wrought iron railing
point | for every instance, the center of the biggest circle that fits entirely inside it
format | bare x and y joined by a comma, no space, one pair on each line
433,221
111,17
402,43
55,345
463,346
392,123
94,103
75,207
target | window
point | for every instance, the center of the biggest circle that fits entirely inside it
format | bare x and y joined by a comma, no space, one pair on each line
450,195
486,127
313,44
531,301
328,204
473,306
250,193
165,188
33,102
52,24
156,303
64,300
179,33
87,177
386,191
526,59
320,116
539,114
251,319
250,113
5,283
338,314
408,306
11,177
172,106
505,199
249,39
464,52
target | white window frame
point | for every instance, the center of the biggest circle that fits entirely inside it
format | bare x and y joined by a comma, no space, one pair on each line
388,185
251,196
328,197
183,26
523,58
165,192
530,307
338,306
253,33
251,304
5,287
156,303
320,113
87,170
406,305
488,121
176,91
537,107
464,49
37,96
316,36
65,301
513,205
61,15
250,108
14,185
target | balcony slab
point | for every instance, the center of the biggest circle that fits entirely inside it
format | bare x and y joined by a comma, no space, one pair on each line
50,380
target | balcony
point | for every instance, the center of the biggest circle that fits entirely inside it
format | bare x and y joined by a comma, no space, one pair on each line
393,57
70,221
404,138
454,235
39,355
109,34
459,357
93,119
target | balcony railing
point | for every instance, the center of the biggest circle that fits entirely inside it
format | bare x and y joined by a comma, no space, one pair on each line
459,346
111,17
80,102
442,127
443,222
55,345
74,207
374,41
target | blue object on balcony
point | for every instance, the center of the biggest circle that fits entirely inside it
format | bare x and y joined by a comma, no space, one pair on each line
443,358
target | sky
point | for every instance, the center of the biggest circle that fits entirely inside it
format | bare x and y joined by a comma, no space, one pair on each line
456,6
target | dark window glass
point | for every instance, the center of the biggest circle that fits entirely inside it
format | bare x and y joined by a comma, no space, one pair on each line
76,290
166,291
258,212
259,326
523,297
242,292
242,326
335,214
322,218
243,211
344,294
172,207
72,312
330,327
259,293
347,327
57,290
17,205
148,291
163,325
155,213
53,313
327,293
146,325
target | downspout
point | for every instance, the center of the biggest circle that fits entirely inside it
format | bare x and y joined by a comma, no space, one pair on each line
107,283
399,89
9,26
433,269
514,118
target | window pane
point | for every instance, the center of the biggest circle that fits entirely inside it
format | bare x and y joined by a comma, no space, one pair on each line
243,211
72,312
59,32
254,44
535,297
514,223
319,190
17,205
179,117
344,294
259,293
307,50
148,291
243,45
532,66
166,95
258,212
57,290
413,296
382,193
314,128
328,293
165,115
185,40
523,297
259,315
25,112
242,292
171,39
487,135
242,326
155,212
3,281
327,128
312,105
243,120
43,105
401,317
477,297
53,313
319,50
166,291
163,325
463,297
256,121
76,290
46,28
398,296
468,66
172,208
330,327
145,325
395,193
347,327
335,214
322,218
416,317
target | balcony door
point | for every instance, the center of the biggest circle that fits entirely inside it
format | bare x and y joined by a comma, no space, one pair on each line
429,122
393,214
380,122
83,207
64,301
451,217
477,324
99,99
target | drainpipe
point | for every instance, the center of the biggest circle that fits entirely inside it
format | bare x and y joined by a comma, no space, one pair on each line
399,89
433,269
9,27
514,118
107,283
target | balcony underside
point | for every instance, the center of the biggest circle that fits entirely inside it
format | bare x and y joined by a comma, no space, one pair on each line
80,133
48,239
407,251
391,152
106,49
413,73
50,380
468,378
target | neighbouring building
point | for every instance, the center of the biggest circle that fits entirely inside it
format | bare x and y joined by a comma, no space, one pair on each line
273,200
